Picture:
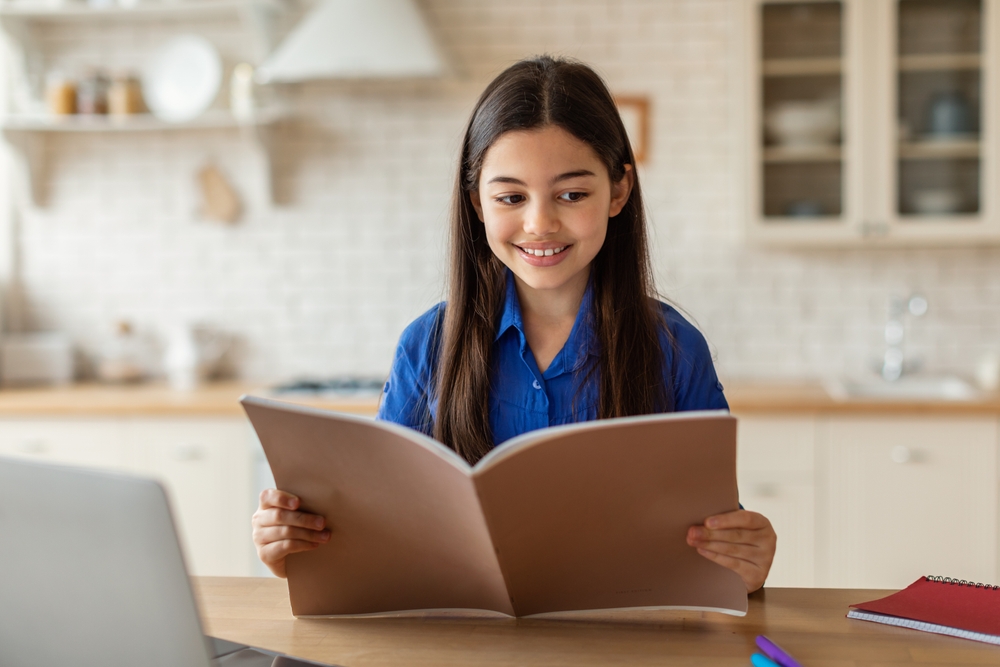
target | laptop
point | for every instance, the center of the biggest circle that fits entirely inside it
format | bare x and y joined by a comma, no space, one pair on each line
92,574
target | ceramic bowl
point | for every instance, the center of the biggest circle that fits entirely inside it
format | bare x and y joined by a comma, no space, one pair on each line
937,201
804,124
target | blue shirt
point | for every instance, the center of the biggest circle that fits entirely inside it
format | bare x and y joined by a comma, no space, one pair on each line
522,397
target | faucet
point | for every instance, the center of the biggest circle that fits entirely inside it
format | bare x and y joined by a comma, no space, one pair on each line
894,363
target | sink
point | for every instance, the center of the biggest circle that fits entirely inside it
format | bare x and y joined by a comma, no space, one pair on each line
914,388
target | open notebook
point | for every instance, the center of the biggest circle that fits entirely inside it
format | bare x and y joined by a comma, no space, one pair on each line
585,516
941,605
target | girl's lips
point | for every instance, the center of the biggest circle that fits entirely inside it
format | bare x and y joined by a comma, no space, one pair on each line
545,260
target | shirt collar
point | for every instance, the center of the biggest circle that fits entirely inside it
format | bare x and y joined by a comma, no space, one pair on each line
511,316
582,341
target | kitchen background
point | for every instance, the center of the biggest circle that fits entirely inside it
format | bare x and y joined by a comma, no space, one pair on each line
323,282
336,239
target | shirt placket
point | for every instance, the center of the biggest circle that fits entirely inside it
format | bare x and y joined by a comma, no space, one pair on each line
538,397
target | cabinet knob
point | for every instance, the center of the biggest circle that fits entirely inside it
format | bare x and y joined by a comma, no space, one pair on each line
901,454
190,452
32,447
874,228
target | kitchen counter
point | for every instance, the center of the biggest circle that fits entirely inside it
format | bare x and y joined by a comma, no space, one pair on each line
213,399
219,399
810,397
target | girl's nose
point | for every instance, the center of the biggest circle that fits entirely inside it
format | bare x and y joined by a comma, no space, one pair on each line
541,219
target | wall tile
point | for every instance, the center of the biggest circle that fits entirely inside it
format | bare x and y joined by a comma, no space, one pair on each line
325,283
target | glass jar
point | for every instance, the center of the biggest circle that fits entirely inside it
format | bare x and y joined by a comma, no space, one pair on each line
60,94
92,93
125,95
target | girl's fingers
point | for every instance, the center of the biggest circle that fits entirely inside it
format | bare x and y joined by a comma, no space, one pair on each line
277,517
736,535
271,534
752,576
277,551
737,519
278,498
749,553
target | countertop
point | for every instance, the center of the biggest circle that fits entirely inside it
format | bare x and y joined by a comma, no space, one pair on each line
809,623
221,399
97,400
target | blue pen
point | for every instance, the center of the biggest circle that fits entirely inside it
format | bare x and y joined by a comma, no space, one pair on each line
776,653
759,660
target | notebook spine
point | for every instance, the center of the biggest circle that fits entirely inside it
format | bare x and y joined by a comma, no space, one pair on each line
961,582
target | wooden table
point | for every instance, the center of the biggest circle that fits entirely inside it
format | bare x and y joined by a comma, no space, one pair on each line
809,623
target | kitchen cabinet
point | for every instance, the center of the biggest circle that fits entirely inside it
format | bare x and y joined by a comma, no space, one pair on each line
91,443
874,501
908,497
871,122
204,463
206,466
776,472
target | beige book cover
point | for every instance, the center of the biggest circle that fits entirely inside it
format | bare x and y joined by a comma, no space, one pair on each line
579,517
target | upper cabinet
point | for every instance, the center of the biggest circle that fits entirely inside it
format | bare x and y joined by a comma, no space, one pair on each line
872,122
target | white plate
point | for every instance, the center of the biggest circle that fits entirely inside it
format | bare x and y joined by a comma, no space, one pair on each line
182,79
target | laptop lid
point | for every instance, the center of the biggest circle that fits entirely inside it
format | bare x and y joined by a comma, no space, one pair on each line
91,572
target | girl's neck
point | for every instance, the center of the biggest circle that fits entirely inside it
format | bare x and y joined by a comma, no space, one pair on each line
548,316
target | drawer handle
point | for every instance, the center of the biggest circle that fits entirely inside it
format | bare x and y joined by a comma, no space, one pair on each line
901,454
189,453
32,447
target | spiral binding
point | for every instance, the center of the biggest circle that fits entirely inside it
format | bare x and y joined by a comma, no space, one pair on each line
962,582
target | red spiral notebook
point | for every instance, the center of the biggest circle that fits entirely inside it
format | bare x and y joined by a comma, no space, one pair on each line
941,605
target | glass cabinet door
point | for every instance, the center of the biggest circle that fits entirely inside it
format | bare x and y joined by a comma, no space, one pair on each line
801,157
940,99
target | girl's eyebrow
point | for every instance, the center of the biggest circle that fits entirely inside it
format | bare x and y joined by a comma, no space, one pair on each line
561,177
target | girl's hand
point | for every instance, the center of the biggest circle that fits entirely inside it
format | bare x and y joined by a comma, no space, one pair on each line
278,530
742,541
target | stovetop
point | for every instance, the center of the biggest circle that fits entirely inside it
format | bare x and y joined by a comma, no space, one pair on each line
333,386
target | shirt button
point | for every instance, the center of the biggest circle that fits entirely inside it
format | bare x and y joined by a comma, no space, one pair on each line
534,383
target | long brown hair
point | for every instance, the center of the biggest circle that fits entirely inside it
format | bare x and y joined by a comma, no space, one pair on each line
533,94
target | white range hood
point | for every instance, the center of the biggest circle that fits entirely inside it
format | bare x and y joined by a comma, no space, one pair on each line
356,39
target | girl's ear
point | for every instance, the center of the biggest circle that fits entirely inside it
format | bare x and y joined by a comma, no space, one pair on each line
620,192
477,204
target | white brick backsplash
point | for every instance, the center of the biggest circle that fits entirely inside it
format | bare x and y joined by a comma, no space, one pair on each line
325,281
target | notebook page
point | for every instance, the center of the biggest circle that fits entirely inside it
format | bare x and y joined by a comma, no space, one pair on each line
926,627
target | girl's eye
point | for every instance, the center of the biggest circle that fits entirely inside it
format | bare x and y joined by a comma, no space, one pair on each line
510,200
573,196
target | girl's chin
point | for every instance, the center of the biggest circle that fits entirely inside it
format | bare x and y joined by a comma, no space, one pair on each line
545,279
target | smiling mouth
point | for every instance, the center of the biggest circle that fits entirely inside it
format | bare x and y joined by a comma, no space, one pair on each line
542,252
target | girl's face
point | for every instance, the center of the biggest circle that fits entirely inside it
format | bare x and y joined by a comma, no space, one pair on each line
545,198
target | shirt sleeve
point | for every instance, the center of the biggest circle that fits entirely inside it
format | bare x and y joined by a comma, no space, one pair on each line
405,395
693,379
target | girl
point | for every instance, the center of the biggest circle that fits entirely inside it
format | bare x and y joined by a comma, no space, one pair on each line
551,316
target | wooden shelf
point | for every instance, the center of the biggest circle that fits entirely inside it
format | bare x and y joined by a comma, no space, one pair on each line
940,62
27,54
801,66
27,135
938,150
780,155
150,9
210,120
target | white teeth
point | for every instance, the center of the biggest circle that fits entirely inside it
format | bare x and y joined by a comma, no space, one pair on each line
548,252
